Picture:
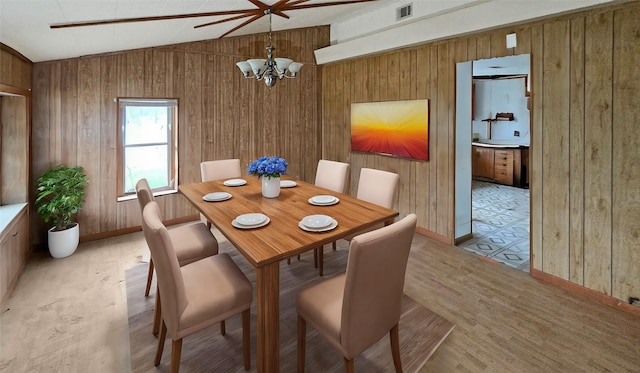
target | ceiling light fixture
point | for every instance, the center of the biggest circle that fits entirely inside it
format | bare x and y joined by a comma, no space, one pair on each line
271,69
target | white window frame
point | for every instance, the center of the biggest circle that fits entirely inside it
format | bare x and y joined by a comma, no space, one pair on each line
125,193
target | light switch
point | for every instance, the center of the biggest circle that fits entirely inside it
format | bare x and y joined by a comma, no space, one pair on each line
511,41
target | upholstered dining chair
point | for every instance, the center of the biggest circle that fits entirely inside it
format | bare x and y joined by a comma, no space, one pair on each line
354,310
195,242
197,295
334,176
217,170
375,186
220,169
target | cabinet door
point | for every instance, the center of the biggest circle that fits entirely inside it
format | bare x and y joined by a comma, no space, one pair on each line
482,165
503,169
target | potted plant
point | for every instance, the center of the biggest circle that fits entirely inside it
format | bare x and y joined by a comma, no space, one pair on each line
60,195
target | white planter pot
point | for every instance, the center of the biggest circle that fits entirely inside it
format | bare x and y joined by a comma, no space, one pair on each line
64,243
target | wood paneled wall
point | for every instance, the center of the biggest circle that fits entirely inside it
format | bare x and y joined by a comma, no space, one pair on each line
221,115
585,163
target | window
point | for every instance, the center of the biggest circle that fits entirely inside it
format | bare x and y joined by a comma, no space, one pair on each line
147,144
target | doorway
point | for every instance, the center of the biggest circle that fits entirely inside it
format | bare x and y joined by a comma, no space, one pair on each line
492,218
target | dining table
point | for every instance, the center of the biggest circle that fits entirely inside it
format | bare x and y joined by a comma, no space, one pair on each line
282,235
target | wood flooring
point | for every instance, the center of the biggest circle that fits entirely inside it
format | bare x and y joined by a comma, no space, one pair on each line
421,331
70,315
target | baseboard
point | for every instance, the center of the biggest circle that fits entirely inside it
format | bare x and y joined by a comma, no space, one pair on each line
119,232
461,239
595,295
434,235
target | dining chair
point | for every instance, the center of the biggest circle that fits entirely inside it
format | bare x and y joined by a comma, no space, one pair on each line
375,186
334,176
197,295
217,170
195,242
355,309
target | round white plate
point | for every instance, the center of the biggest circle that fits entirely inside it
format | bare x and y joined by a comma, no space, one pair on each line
251,220
216,196
240,226
287,183
317,221
333,225
323,200
235,182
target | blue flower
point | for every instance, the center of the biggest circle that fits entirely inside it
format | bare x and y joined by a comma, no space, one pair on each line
268,166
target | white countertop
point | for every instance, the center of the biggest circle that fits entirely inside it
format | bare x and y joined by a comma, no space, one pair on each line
8,213
499,144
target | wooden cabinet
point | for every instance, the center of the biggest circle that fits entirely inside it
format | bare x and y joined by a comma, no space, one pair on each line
483,162
503,166
14,251
507,166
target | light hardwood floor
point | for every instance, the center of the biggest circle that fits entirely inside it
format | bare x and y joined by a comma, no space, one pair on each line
70,315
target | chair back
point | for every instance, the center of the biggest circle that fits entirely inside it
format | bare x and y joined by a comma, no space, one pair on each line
332,175
220,169
377,186
374,284
144,193
170,283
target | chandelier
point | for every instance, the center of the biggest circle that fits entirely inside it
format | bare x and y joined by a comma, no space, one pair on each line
271,69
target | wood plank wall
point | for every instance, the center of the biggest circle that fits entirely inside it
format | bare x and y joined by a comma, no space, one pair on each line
585,161
221,115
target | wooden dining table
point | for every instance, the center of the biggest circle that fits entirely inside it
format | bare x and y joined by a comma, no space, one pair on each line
265,247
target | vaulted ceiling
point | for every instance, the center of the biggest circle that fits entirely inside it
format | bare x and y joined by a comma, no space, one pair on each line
25,25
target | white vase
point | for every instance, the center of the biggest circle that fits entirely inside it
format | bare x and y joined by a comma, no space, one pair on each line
63,243
270,187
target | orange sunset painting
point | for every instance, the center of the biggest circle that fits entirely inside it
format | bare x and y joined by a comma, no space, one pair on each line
396,128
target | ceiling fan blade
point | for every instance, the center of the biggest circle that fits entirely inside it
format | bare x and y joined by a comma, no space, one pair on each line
295,6
155,18
260,4
254,18
225,20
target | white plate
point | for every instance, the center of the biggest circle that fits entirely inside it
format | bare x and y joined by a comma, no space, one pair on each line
333,225
216,197
323,200
251,220
317,221
235,182
240,226
287,183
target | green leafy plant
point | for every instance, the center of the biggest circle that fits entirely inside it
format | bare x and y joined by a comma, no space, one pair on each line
60,195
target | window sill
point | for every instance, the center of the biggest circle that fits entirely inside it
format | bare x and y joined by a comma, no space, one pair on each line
130,197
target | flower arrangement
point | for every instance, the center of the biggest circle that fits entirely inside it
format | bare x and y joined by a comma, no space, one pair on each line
268,166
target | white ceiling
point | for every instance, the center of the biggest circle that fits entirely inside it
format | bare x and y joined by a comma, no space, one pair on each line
24,24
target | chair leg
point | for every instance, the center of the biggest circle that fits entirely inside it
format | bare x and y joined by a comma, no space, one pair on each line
163,335
288,260
157,314
302,342
149,278
315,258
348,365
176,351
246,338
321,260
223,330
395,348
334,246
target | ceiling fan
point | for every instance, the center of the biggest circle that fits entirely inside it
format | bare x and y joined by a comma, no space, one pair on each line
279,8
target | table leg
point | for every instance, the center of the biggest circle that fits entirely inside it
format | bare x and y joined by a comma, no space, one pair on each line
268,315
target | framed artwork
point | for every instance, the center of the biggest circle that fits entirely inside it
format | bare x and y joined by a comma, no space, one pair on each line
393,128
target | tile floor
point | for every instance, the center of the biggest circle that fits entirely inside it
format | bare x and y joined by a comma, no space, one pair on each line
500,224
